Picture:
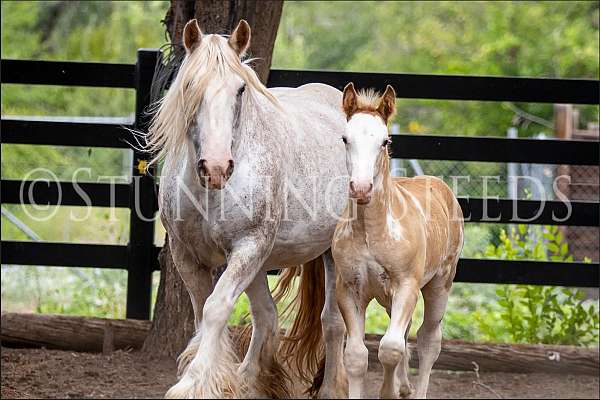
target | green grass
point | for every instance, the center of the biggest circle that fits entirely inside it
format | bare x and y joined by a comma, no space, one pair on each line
101,293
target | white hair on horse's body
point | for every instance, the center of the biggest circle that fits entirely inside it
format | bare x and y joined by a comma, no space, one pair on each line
277,208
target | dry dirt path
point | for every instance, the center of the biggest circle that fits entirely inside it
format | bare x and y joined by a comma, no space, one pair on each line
39,373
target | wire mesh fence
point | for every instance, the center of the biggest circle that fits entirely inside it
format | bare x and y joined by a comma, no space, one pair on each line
520,181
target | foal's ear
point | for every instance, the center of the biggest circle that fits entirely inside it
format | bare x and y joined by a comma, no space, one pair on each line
192,35
349,100
240,38
387,105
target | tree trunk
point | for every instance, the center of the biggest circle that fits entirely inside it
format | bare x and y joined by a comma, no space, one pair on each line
67,332
173,325
222,16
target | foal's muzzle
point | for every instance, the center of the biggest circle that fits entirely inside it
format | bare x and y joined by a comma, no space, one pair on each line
214,173
361,191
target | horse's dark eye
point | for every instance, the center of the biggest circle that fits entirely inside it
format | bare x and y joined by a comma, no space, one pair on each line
386,142
241,90
344,140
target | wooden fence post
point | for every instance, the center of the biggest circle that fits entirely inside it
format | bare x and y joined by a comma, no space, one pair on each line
142,200
563,129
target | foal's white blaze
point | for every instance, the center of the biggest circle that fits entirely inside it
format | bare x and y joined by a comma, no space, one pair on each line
365,135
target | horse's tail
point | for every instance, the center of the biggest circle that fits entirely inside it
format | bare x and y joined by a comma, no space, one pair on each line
302,346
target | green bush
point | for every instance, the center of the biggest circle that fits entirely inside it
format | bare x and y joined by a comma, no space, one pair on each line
542,314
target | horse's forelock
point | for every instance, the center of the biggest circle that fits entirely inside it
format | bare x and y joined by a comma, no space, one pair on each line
177,109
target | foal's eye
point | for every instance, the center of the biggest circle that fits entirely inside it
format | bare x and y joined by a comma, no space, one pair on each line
344,140
241,90
386,142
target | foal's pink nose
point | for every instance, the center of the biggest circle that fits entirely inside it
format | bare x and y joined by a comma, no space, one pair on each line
215,173
361,191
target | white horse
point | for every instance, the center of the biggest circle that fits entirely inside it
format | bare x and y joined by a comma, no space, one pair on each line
253,179
406,237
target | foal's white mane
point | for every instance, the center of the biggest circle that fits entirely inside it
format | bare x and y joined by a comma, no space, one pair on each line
368,99
213,58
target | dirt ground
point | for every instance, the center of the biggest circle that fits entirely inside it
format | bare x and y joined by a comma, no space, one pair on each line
39,373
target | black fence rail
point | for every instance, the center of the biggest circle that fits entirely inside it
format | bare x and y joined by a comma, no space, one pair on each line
139,257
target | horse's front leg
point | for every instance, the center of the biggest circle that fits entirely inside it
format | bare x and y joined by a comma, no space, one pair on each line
213,372
264,375
198,282
335,383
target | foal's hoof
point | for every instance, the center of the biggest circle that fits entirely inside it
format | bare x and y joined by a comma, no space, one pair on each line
332,393
406,390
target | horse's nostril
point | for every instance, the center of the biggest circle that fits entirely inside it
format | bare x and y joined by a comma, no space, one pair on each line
370,188
202,167
352,185
230,168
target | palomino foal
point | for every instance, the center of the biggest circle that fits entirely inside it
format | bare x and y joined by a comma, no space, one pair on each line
398,236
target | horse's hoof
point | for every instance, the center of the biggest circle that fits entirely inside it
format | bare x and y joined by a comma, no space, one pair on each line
406,391
184,389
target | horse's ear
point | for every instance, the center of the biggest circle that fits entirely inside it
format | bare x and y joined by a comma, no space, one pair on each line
192,35
240,38
387,105
349,100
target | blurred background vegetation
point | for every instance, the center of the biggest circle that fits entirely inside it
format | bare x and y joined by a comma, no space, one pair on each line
545,39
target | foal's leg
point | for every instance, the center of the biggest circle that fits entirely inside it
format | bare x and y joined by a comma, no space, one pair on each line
429,336
392,347
213,371
356,355
334,380
406,389
265,376
403,368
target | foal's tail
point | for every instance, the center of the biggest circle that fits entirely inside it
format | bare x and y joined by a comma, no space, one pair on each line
302,346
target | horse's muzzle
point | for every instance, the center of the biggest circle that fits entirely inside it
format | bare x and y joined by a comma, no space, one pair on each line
214,174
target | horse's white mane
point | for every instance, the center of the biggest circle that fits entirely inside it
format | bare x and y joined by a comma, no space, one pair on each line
176,110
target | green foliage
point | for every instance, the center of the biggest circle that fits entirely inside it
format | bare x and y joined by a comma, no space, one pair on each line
78,31
82,30
551,39
73,291
542,314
